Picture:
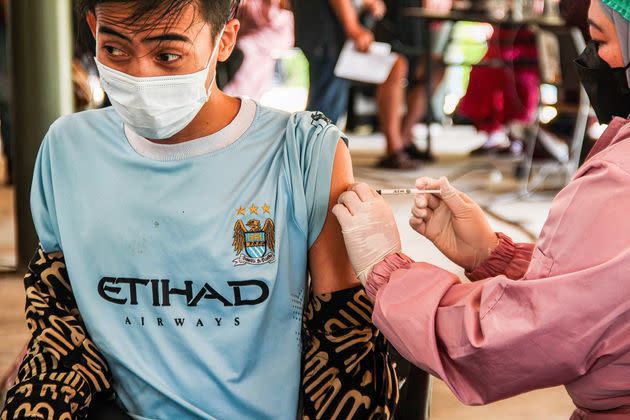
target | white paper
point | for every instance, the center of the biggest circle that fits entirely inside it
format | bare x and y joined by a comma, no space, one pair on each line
371,67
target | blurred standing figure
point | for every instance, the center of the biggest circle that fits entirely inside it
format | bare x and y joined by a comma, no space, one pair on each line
405,86
5,115
265,27
321,29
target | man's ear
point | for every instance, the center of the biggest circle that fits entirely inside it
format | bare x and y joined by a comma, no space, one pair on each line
91,21
228,40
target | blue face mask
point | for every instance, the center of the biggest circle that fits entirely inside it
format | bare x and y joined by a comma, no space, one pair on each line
157,107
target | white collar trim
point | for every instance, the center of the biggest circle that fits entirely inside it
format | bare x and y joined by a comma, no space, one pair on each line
197,147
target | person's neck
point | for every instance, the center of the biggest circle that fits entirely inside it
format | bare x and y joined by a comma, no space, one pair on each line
215,115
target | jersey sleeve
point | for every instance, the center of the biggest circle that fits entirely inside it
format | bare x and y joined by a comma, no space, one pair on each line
311,145
43,208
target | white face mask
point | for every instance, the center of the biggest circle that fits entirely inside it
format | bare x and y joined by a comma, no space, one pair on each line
157,107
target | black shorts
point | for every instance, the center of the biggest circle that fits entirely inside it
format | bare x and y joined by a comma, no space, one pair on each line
406,35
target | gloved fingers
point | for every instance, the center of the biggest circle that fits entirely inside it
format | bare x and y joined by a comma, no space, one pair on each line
376,194
421,201
427,200
466,199
423,214
433,201
446,189
351,200
342,214
426,183
451,196
364,191
418,225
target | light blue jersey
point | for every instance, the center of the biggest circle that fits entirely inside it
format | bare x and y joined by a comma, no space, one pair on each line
188,262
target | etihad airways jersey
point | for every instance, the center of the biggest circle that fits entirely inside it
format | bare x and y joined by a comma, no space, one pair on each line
188,262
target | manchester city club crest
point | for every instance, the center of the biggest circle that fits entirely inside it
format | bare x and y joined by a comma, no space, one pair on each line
254,241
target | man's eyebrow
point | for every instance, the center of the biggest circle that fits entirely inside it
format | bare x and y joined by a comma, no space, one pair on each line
110,31
595,25
171,36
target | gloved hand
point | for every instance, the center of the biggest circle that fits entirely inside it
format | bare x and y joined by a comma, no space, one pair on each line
455,224
368,227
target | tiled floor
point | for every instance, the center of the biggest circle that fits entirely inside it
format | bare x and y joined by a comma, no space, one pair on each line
483,185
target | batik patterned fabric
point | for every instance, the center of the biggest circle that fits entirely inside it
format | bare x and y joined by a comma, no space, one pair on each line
348,373
63,370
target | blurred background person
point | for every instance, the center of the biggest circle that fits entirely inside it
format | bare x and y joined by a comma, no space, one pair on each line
321,29
321,41
5,115
401,153
405,87
266,26
83,95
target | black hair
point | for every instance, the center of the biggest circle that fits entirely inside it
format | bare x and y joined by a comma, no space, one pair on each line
216,12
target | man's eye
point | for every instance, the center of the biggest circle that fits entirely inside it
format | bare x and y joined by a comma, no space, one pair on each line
113,51
168,57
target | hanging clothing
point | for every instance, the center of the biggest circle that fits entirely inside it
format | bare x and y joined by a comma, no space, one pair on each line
501,94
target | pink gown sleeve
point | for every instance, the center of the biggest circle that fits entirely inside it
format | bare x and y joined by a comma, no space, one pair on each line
509,258
500,337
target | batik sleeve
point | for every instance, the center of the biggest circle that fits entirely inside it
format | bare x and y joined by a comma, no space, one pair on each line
62,371
347,372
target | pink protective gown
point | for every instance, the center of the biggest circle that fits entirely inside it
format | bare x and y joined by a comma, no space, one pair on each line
554,313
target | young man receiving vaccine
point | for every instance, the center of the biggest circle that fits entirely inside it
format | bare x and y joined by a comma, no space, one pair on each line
177,231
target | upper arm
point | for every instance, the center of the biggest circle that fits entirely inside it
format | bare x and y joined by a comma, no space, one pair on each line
329,264
345,12
333,323
319,169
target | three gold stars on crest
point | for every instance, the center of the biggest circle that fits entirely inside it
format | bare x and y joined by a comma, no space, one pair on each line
253,210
